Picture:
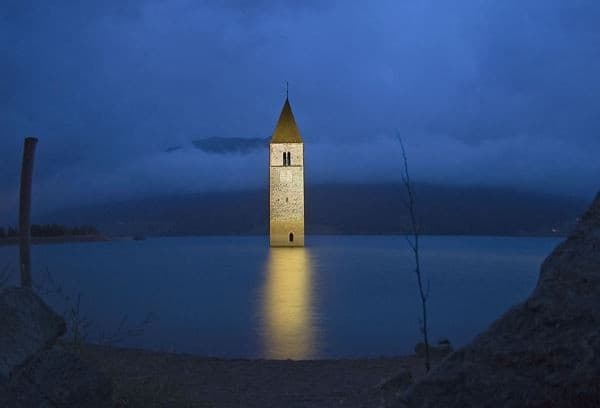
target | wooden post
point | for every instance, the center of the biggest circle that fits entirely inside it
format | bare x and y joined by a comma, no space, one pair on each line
25,210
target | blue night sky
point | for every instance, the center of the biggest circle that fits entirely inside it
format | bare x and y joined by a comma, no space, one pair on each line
483,92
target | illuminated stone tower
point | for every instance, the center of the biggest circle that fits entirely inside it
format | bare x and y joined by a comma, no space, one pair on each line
286,182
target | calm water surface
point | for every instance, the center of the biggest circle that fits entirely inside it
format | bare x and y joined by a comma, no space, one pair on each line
341,296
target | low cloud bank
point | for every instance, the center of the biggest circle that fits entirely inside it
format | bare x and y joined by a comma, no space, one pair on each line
559,168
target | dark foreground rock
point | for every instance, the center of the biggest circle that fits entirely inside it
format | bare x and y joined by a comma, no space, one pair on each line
542,353
35,372
27,326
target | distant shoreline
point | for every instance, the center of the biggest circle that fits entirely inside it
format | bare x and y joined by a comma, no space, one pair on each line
56,240
333,233
102,238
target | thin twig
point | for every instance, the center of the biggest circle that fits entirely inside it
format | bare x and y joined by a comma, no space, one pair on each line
414,245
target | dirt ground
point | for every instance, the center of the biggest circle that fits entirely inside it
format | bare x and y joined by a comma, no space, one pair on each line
153,379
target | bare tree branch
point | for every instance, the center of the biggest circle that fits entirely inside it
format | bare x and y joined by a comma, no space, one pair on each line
414,245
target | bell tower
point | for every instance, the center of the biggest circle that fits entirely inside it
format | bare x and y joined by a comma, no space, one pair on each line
286,182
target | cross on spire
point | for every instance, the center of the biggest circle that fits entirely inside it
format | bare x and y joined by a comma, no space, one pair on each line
287,89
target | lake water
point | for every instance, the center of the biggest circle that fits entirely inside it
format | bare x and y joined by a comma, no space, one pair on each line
341,296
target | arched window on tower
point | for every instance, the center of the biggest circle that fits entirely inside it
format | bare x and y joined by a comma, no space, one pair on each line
289,158
284,159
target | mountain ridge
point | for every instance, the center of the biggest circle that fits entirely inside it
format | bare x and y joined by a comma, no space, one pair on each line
336,209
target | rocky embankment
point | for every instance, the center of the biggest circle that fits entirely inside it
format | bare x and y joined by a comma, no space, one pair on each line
34,370
544,352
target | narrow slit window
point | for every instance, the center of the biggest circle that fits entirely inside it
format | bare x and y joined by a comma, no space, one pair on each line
291,237
284,159
289,158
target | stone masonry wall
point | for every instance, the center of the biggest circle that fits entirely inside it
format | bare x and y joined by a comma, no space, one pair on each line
286,194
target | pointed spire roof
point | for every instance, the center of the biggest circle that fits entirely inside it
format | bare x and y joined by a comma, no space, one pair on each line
286,130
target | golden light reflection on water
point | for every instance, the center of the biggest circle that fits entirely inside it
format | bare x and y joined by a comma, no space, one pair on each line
287,310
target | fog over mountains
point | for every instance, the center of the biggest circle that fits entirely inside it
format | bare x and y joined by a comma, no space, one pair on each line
142,98
336,209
